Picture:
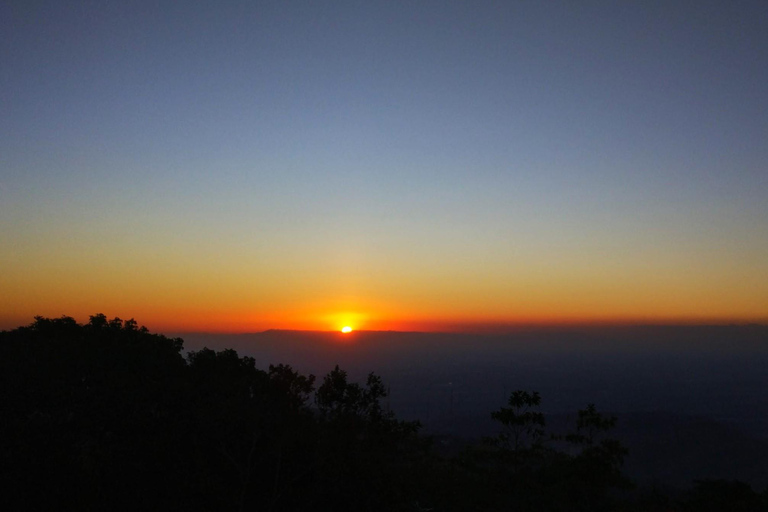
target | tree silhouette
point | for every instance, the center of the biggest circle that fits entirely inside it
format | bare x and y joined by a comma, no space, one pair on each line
523,423
88,412
107,416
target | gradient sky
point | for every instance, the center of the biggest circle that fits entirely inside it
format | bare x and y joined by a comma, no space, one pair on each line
239,166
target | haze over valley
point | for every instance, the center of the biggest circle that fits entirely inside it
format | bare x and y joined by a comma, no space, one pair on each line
684,395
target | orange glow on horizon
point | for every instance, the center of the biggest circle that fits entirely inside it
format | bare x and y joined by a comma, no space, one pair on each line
231,323
177,318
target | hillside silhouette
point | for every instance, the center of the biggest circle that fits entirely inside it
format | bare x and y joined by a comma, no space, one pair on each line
106,415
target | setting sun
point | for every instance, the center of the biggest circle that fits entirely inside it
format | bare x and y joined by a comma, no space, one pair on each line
346,329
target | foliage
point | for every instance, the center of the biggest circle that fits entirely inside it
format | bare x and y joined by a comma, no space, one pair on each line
523,425
82,407
107,416
525,461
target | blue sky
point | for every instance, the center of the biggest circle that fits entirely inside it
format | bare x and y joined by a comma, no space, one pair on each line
472,142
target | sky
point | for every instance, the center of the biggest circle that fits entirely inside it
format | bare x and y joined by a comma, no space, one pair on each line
241,166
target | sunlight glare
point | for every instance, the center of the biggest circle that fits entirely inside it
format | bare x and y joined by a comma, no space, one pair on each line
346,329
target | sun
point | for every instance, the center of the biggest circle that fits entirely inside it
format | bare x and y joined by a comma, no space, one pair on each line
346,329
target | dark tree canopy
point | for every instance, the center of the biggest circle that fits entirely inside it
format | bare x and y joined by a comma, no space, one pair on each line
108,416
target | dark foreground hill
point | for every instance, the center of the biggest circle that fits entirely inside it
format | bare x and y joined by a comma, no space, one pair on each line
107,416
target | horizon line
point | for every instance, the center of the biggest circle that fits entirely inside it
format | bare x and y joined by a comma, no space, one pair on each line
490,330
